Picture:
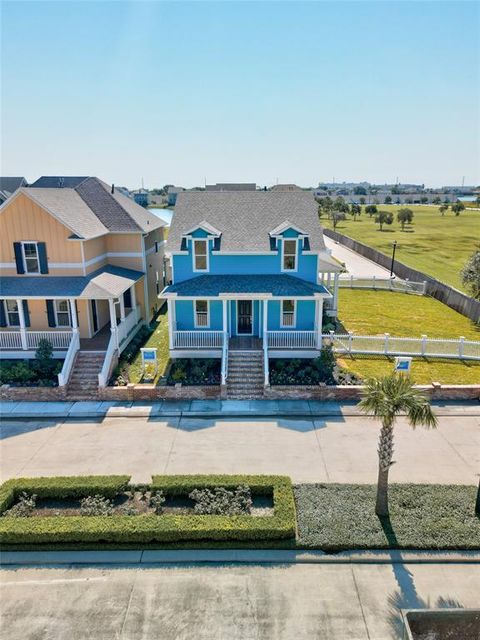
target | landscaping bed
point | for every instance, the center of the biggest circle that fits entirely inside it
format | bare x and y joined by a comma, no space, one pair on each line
195,371
26,373
106,512
323,370
335,517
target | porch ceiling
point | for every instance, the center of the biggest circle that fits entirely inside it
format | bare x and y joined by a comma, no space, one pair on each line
278,285
108,282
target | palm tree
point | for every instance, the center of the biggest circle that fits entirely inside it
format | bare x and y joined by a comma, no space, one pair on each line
386,399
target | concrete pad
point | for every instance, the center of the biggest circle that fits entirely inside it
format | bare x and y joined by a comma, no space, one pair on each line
7,407
299,407
88,407
175,407
264,407
206,406
69,557
30,408
233,407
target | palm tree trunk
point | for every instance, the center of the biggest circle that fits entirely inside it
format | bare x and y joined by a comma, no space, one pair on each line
385,453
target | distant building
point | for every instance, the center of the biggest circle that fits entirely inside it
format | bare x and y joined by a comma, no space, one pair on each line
9,186
231,186
172,195
285,187
141,197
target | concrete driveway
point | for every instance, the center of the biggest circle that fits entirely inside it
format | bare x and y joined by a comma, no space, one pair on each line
292,602
355,264
336,449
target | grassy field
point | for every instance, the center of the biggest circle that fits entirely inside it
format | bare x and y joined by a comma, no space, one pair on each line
401,314
435,244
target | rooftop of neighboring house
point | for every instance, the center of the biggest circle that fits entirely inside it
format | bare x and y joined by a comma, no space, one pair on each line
89,207
9,185
245,220
231,186
173,189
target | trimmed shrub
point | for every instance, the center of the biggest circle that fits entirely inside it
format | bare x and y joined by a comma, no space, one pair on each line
96,506
221,501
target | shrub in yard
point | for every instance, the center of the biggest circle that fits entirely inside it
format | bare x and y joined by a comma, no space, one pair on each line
24,507
221,501
157,500
44,362
96,506
179,374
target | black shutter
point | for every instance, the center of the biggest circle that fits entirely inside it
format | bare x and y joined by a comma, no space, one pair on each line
17,247
51,314
26,313
42,257
3,320
127,298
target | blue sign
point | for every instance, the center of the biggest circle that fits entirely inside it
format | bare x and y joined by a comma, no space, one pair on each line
403,366
149,355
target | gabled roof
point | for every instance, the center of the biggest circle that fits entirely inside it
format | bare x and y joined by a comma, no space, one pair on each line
11,184
245,218
58,182
206,227
89,209
284,226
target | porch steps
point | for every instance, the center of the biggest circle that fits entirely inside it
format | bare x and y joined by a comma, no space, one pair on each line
245,375
83,384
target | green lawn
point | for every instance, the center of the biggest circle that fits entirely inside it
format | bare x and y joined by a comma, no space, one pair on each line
435,244
335,517
401,314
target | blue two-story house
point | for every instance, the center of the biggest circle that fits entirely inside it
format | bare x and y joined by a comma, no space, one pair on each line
250,272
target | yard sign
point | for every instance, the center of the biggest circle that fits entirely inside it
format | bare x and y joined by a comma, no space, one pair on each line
149,357
403,365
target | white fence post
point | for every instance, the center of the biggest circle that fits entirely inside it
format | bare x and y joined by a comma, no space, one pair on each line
424,345
460,346
350,336
424,287
351,282
374,282
385,346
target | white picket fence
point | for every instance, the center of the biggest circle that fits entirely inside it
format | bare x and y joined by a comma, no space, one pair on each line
382,284
394,346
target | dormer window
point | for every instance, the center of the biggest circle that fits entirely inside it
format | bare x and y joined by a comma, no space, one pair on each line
200,255
289,256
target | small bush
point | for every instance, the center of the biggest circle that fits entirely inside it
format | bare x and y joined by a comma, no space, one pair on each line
44,362
222,502
24,507
96,506
157,500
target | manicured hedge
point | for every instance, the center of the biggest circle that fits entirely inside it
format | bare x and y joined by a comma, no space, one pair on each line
147,529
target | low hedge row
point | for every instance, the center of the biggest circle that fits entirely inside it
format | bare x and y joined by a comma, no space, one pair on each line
146,529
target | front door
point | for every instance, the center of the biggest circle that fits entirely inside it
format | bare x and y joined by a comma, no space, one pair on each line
94,315
244,319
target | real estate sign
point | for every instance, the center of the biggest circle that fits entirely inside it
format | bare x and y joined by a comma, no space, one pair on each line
403,365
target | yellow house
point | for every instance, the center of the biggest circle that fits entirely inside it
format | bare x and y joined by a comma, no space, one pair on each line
81,265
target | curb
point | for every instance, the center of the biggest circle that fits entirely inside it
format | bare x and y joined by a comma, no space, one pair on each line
234,556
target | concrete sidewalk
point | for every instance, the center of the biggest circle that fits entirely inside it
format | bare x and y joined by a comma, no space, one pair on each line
205,408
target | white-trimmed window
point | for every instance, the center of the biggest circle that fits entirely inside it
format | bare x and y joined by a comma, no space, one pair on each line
200,255
289,255
288,313
31,262
11,313
202,314
62,313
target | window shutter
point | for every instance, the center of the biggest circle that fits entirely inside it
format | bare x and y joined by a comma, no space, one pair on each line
17,247
42,257
26,313
51,314
3,319
127,298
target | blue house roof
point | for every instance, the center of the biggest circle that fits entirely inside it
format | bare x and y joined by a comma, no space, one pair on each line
281,285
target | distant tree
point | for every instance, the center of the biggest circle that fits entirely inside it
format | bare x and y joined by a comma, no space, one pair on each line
405,216
408,201
443,208
457,207
362,200
325,206
388,200
371,209
337,216
471,274
164,189
424,199
376,201
436,200
360,191
355,210
340,205
384,217
447,200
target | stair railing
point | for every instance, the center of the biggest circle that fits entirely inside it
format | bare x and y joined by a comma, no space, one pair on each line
73,347
225,358
107,366
266,373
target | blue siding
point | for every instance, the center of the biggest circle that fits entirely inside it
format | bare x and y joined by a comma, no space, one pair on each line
184,313
305,316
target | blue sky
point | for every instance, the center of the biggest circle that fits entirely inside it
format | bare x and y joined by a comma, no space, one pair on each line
176,92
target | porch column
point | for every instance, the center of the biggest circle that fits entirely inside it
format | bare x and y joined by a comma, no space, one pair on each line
318,322
134,302
265,320
23,333
224,309
122,308
171,321
335,293
73,315
113,320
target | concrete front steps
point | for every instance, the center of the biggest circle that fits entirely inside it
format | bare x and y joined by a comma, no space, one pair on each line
245,375
83,384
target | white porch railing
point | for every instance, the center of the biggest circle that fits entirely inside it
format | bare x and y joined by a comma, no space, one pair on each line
291,339
64,374
13,339
384,284
198,339
10,340
125,327
393,346
225,358
104,374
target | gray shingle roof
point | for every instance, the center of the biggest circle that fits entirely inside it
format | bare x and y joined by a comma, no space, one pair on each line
108,282
245,218
89,209
11,184
275,284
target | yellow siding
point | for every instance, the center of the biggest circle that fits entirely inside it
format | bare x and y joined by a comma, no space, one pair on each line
22,220
154,265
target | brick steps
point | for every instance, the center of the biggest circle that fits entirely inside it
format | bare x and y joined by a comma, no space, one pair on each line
245,375
83,384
